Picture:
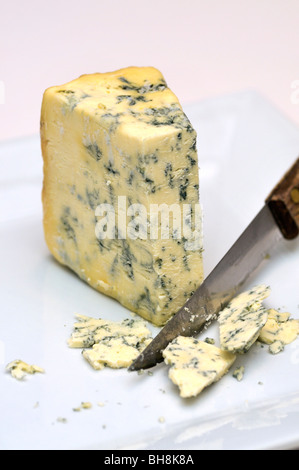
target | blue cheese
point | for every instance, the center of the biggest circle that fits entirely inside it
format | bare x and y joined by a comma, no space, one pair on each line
111,344
279,331
242,320
19,369
122,140
88,331
195,364
239,373
115,352
276,347
280,317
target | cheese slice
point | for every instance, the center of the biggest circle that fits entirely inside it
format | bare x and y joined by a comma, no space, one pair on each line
241,321
114,344
19,369
115,351
88,330
195,364
279,331
122,139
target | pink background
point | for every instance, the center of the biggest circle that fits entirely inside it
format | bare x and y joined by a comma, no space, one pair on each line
204,48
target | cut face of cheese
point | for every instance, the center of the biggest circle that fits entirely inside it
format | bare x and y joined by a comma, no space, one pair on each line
242,320
195,364
121,140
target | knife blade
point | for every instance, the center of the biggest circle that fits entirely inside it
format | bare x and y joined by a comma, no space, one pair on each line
278,219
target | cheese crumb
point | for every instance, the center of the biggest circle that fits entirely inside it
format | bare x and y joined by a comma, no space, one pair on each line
279,331
86,405
61,420
239,373
19,369
276,347
209,341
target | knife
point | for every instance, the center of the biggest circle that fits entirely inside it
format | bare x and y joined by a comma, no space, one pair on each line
278,219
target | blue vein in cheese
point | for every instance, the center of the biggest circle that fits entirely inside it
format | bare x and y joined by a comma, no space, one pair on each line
115,351
89,331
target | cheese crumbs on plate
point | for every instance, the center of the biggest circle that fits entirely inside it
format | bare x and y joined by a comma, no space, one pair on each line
19,369
195,364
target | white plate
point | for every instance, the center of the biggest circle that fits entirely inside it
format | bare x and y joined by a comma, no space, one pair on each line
245,146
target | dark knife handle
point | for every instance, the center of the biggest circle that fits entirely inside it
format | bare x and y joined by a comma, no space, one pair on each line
284,203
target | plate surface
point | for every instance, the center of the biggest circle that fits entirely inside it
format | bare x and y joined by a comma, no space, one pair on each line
245,146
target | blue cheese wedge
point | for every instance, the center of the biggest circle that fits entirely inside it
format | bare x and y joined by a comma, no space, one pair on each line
121,140
242,320
279,331
195,364
19,369
88,330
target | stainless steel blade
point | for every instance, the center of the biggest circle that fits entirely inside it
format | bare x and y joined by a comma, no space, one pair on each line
222,284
